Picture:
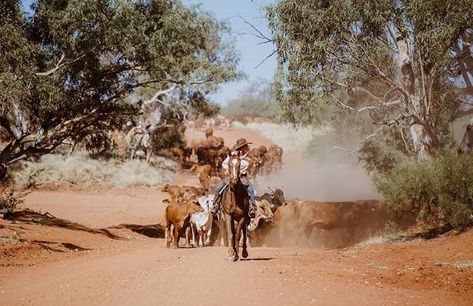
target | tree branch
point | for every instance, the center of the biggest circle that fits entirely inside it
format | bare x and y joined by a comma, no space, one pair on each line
59,65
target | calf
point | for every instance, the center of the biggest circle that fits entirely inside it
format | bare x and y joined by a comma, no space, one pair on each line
177,217
209,132
177,193
204,172
201,222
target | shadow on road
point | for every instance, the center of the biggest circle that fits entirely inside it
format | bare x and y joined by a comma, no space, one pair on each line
257,259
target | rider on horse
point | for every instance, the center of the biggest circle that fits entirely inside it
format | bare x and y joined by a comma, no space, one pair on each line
240,149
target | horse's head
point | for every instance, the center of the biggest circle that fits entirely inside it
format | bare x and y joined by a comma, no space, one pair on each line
234,169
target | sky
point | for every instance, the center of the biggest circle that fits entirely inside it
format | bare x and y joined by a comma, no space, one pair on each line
251,54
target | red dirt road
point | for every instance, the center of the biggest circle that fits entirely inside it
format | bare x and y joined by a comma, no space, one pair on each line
145,273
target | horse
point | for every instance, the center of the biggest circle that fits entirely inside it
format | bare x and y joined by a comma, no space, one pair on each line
235,219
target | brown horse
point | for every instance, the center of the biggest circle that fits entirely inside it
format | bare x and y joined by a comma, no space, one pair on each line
236,203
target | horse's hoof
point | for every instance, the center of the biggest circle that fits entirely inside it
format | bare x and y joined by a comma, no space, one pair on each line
231,258
244,254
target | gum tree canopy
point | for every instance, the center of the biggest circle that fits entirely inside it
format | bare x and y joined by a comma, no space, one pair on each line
69,67
403,62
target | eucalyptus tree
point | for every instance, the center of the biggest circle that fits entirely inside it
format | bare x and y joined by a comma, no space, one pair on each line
403,62
69,68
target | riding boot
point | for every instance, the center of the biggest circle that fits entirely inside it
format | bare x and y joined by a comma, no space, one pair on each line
251,194
216,205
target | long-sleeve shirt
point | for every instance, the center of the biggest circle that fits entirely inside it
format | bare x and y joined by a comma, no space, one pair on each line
244,164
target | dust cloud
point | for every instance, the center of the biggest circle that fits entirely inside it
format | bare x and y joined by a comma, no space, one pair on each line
329,175
320,180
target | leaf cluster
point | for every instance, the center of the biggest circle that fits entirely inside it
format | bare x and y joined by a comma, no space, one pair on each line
437,190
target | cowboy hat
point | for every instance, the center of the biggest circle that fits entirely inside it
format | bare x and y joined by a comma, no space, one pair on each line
241,142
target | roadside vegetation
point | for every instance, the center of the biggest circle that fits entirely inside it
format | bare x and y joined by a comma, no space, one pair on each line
389,78
256,100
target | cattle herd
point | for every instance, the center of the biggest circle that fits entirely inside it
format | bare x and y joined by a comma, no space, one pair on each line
278,222
212,151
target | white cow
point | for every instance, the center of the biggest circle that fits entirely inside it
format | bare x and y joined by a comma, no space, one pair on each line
201,222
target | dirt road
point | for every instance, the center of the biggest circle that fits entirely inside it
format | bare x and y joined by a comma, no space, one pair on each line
42,265
148,274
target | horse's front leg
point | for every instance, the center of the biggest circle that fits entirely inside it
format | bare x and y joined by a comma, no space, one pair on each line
223,232
238,237
230,225
244,252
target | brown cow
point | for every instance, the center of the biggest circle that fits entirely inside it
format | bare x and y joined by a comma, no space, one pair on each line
209,133
286,223
177,217
177,193
273,159
204,172
213,181
351,217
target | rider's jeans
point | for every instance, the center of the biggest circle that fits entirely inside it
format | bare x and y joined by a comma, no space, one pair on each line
249,188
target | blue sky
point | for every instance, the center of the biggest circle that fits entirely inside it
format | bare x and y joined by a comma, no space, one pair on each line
251,54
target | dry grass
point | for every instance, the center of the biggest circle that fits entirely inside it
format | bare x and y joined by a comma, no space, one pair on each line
82,171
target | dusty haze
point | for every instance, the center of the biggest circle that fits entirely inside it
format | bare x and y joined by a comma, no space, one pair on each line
333,177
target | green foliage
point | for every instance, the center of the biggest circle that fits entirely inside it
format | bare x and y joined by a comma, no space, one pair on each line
242,107
345,54
382,152
437,190
168,137
199,105
256,100
69,71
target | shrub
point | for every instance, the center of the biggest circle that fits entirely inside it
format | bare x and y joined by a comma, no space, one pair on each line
438,190
166,138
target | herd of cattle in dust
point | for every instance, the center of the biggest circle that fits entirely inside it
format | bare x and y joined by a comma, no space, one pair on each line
279,221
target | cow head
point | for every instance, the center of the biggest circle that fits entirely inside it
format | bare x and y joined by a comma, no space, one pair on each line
277,197
206,202
194,207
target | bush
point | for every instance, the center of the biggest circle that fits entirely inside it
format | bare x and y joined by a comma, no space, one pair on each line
166,138
10,200
438,190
